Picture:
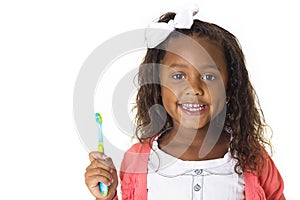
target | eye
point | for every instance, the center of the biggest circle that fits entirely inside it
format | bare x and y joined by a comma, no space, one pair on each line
178,76
209,77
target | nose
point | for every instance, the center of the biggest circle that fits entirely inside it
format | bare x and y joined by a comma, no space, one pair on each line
195,87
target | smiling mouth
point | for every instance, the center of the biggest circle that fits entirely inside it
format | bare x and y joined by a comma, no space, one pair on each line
193,107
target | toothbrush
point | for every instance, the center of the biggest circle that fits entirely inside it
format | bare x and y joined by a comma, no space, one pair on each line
103,188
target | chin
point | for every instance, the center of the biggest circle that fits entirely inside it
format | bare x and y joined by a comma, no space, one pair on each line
195,126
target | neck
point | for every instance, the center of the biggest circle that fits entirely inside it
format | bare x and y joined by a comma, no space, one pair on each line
194,144
185,136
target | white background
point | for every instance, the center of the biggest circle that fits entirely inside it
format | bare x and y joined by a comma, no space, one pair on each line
44,43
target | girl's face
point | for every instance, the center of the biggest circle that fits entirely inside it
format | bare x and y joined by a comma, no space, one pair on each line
193,77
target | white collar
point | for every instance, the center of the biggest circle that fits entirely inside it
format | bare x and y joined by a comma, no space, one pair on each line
168,165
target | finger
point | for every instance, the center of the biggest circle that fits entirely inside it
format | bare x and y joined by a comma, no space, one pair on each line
100,172
92,184
93,181
97,155
96,192
107,165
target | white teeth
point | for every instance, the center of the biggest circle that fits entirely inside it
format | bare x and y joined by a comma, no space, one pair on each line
193,106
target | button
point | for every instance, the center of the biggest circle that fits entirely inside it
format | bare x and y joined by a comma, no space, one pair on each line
198,171
197,187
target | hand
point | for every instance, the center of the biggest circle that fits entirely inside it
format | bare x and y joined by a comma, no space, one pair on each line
102,170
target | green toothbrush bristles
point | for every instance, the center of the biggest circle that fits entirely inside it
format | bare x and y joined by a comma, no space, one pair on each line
98,118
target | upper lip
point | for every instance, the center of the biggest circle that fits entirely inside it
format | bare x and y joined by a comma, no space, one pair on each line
192,102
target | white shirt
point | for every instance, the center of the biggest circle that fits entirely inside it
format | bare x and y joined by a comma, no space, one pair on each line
171,178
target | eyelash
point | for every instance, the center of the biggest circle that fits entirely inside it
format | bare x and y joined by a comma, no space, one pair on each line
204,76
175,76
213,77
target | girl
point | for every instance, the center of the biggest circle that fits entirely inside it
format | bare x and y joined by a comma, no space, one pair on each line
199,122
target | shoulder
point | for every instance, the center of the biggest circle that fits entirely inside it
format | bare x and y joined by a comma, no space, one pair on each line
133,172
140,147
135,159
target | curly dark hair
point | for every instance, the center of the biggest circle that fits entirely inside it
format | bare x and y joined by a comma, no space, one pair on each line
244,114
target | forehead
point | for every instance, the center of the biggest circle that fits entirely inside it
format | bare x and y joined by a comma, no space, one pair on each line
196,51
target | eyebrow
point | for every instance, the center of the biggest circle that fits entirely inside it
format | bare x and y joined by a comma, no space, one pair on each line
181,65
178,65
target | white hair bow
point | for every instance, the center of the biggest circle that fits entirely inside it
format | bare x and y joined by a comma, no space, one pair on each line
157,32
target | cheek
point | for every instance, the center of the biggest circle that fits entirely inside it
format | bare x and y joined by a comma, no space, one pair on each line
218,98
169,100
170,93
218,104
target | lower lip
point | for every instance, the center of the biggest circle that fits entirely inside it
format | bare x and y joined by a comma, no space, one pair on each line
196,112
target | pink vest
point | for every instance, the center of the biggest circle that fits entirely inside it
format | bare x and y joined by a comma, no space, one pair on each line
134,177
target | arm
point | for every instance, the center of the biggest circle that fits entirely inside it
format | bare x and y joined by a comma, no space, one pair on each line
133,173
282,197
271,180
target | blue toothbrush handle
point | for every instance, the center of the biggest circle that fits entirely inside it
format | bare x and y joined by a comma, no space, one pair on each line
103,189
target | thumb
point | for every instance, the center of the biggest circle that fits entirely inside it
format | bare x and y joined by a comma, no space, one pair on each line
95,155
